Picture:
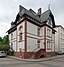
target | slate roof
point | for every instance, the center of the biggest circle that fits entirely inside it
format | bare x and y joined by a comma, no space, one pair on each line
45,15
43,18
30,13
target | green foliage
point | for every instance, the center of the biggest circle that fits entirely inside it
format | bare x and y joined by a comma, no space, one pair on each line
1,40
6,39
4,47
4,43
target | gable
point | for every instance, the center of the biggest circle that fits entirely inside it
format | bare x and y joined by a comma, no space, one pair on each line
50,21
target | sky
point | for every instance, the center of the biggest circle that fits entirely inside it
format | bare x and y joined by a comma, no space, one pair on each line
10,8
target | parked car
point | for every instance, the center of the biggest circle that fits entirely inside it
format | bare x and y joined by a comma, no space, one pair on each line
2,54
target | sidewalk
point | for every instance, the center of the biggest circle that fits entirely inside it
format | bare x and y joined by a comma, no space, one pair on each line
35,60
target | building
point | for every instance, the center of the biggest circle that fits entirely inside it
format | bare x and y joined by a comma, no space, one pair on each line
32,34
59,39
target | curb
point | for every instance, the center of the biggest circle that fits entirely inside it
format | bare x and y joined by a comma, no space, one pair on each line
35,60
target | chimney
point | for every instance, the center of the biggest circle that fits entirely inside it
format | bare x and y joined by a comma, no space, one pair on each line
39,12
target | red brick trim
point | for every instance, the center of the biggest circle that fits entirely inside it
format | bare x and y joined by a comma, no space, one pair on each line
36,56
16,42
24,54
25,35
45,37
54,43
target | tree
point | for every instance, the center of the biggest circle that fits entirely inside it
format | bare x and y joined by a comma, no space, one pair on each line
1,40
4,43
6,40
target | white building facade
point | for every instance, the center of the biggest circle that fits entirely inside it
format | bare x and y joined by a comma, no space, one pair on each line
32,35
59,39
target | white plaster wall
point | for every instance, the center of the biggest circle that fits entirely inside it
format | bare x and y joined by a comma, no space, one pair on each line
42,31
14,35
53,37
62,39
13,41
53,46
31,44
48,38
23,29
50,31
14,46
59,39
42,44
21,43
56,40
31,28
10,37
46,48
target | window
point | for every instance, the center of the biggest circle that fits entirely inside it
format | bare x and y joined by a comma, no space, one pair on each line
20,36
38,42
48,45
11,36
20,33
38,31
48,32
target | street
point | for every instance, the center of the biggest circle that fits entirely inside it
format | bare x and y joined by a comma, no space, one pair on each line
8,62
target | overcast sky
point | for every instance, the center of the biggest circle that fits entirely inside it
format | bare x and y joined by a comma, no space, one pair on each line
10,8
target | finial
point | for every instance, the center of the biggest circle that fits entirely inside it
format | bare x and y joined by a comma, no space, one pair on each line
49,7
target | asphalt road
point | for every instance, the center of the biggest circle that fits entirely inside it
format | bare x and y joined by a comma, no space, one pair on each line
8,62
